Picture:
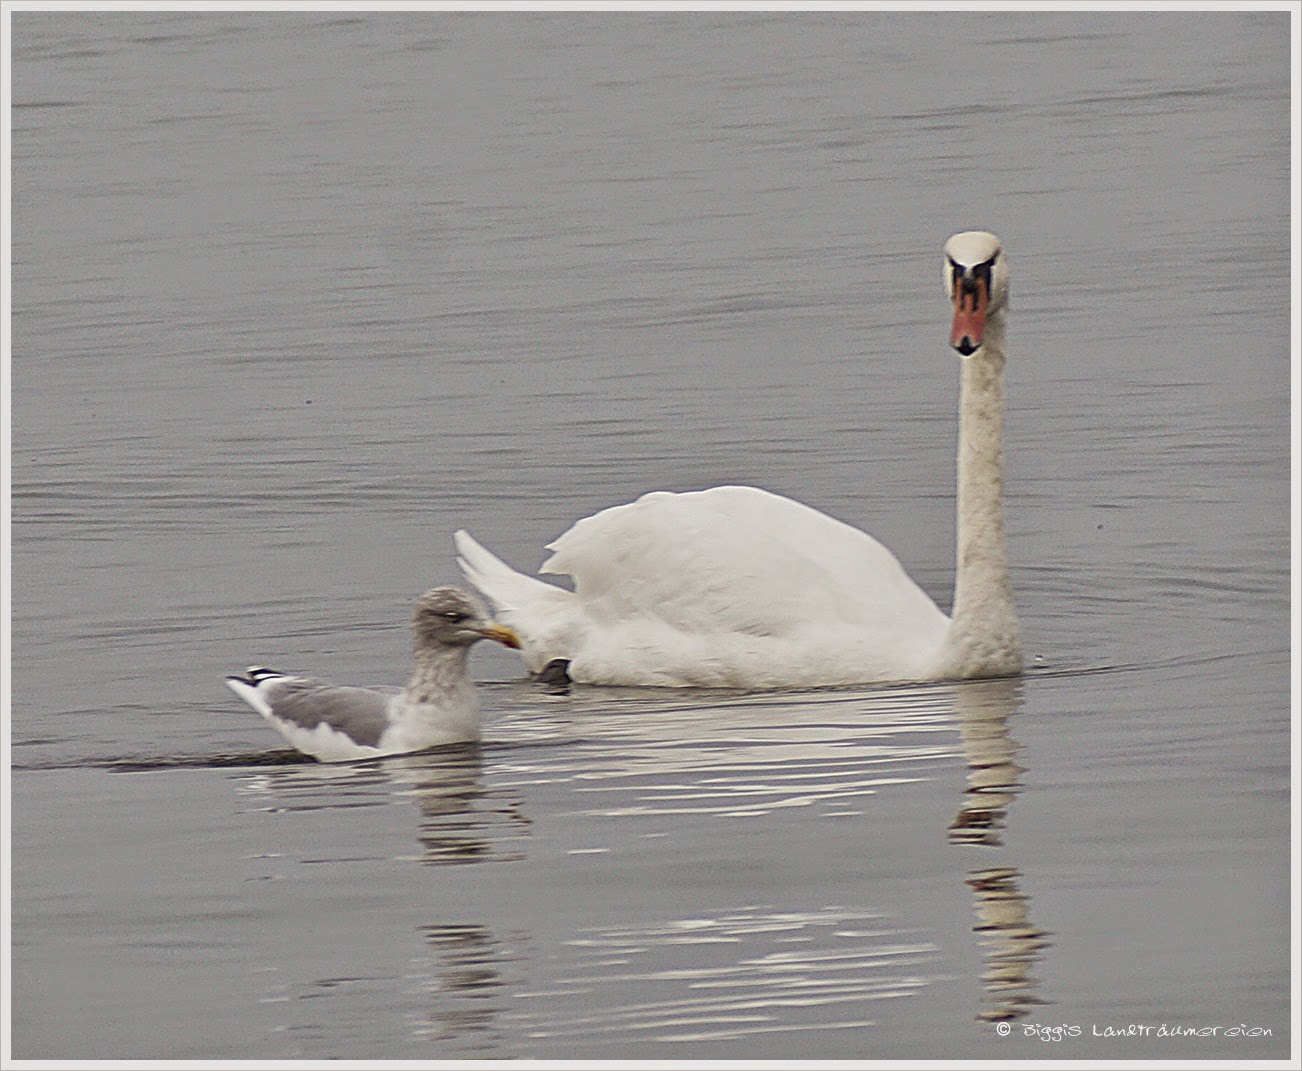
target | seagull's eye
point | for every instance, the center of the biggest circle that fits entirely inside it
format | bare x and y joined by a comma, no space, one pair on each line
455,616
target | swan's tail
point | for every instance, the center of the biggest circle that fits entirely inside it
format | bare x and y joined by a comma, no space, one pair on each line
544,616
498,582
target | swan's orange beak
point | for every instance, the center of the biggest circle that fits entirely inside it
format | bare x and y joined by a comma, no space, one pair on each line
971,298
502,635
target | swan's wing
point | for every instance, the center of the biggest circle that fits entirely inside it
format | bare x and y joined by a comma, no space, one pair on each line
736,559
732,587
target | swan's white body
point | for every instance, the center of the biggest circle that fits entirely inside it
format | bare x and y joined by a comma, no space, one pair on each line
739,587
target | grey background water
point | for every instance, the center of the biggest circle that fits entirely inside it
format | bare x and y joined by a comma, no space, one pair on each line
297,295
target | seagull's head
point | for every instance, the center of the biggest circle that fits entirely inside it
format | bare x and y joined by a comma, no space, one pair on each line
450,617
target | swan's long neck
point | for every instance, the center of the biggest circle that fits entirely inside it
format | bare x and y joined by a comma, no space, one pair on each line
984,638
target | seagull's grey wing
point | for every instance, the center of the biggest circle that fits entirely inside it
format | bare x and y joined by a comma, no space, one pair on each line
360,713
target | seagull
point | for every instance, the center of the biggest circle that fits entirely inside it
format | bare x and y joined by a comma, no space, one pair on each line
340,723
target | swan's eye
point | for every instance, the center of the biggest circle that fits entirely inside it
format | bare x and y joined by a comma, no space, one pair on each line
966,279
977,271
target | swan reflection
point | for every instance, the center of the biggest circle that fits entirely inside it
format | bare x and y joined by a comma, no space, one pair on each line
641,765
1012,943
628,754
993,777
626,768
727,976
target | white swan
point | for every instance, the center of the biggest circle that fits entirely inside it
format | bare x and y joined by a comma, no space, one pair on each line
737,587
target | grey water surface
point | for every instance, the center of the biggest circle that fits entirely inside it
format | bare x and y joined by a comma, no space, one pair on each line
297,294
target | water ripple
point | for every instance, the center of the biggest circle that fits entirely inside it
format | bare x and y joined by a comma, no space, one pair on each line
794,966
739,757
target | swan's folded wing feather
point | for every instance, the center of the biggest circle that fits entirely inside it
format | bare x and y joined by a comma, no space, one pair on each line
735,559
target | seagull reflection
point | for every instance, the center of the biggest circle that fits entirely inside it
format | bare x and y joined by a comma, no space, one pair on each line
461,820
469,985
1012,943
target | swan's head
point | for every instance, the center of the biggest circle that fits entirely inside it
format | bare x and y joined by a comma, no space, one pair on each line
976,278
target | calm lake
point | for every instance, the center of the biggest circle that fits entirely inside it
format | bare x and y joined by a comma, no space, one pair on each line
296,295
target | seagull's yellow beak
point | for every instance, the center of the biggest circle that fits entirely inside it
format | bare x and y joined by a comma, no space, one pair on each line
502,635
